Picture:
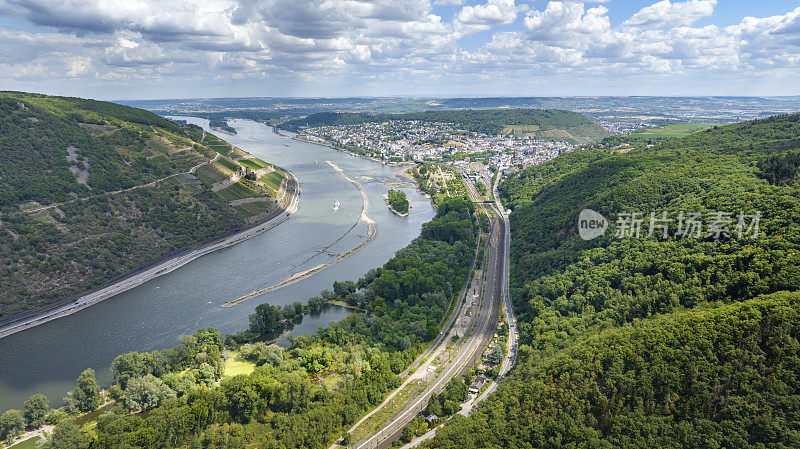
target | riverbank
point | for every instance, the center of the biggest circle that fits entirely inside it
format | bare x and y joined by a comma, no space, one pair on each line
372,234
278,216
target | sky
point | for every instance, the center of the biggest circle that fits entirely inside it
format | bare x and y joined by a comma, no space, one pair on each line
153,49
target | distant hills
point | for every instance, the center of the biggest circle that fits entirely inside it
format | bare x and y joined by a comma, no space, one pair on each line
550,124
620,109
91,190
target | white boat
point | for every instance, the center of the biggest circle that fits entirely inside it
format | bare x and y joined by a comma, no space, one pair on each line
336,205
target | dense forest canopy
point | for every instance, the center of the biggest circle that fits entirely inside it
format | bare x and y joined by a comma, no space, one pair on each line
653,342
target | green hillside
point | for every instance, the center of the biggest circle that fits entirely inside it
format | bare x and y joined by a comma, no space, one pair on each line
541,123
644,342
91,190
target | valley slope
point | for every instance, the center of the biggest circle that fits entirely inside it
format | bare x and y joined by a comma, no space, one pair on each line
646,342
91,191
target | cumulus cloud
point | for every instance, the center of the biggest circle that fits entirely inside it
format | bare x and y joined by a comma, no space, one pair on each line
569,36
482,17
770,41
666,14
564,24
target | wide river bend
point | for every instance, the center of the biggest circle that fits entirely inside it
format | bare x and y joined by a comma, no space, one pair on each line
48,358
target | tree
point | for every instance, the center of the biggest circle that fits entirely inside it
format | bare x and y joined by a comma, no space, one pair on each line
36,409
261,353
144,393
127,366
56,416
12,424
315,303
266,319
434,406
343,288
87,392
206,374
67,435
398,201
180,384
272,354
496,355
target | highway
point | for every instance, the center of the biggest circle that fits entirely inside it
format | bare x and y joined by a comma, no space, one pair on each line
478,317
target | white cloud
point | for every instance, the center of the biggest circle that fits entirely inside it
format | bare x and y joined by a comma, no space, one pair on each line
78,66
569,25
482,17
666,14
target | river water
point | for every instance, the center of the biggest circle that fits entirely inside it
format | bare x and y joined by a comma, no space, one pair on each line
48,358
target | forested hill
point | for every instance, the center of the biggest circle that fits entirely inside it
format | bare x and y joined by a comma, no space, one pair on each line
91,190
542,123
688,341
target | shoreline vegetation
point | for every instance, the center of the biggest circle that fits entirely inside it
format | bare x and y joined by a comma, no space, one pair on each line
392,209
221,125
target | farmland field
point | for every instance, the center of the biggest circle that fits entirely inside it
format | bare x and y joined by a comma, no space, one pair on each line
673,131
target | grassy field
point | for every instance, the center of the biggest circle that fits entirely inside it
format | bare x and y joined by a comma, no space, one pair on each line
236,192
235,365
393,407
253,163
273,179
672,131
229,164
252,209
30,443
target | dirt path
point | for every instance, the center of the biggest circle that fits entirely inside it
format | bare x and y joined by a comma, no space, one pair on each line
40,432
250,200
114,192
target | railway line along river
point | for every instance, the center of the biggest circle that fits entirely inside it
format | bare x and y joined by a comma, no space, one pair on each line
49,357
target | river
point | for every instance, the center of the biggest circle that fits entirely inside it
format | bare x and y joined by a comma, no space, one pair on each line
48,358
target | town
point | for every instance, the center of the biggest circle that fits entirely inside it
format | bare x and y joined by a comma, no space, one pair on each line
411,140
